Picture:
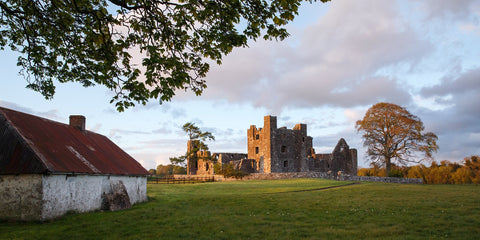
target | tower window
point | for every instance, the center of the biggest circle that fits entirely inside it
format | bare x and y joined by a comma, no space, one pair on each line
256,150
257,136
283,149
285,163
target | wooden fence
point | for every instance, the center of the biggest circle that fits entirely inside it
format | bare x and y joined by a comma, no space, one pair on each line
178,180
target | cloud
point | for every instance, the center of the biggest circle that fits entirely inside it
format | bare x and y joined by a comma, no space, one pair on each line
152,152
442,9
235,144
462,94
152,160
159,144
50,114
467,82
15,106
456,125
353,115
116,133
96,128
334,62
164,130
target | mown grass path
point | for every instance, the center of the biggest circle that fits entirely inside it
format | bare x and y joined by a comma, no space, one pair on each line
248,210
319,189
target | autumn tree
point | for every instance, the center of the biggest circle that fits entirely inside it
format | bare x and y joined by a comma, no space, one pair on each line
445,172
462,176
98,42
196,135
472,164
392,134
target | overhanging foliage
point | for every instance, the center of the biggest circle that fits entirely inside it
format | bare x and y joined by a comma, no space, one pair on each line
95,42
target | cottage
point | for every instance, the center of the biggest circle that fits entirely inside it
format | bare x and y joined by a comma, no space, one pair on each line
48,168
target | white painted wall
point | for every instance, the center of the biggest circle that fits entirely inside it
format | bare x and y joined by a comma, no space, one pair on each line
136,187
41,197
83,193
63,193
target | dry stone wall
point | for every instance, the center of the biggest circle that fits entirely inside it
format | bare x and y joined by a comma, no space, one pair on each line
385,179
330,175
324,175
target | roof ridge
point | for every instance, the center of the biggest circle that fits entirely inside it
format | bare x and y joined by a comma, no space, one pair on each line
55,147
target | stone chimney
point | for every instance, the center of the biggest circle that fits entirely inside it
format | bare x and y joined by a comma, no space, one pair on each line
77,121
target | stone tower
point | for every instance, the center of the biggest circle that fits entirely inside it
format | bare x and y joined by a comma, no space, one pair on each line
260,143
279,149
192,159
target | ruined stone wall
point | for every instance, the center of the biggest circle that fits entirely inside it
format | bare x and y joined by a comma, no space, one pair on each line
282,150
279,149
204,163
244,165
353,164
342,159
304,147
317,164
290,149
228,157
199,162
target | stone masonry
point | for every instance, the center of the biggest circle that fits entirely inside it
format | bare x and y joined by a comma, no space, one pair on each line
278,150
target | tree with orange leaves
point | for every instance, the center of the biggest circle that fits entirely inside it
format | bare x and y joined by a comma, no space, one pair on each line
392,134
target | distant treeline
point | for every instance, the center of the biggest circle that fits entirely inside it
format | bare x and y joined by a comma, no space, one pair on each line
445,172
163,170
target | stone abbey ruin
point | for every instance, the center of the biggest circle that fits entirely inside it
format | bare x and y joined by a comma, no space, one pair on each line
277,150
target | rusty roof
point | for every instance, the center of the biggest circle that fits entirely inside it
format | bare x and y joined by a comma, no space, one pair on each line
31,144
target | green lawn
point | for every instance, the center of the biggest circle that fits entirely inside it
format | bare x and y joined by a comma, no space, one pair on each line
277,210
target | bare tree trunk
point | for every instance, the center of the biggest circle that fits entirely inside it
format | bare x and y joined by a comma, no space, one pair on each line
388,167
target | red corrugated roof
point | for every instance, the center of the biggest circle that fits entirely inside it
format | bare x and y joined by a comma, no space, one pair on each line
32,144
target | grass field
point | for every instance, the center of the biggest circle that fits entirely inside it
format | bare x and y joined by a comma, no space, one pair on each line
277,209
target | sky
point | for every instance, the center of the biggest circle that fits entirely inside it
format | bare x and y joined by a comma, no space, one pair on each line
341,58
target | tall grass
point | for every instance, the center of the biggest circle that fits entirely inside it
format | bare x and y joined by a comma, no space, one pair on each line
277,210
